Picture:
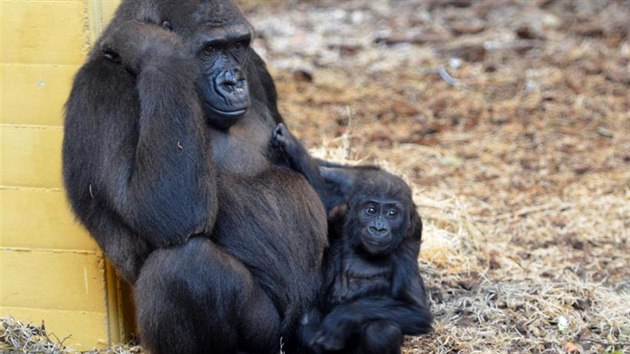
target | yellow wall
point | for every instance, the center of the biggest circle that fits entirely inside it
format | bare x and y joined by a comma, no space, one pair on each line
50,269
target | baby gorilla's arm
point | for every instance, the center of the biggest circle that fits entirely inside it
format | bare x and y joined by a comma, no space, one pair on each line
346,319
300,160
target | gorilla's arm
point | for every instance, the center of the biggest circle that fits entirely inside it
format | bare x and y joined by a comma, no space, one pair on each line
134,136
407,283
332,181
412,317
301,161
346,319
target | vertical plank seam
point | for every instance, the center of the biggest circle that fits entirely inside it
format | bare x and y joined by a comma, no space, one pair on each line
93,27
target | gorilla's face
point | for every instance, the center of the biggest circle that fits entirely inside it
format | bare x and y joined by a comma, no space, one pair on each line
223,84
219,37
380,224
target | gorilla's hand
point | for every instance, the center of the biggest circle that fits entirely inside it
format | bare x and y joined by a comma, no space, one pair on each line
282,139
280,136
332,334
134,44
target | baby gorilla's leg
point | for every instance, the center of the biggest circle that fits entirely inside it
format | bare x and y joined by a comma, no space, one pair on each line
380,337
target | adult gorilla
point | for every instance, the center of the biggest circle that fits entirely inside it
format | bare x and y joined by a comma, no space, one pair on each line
166,162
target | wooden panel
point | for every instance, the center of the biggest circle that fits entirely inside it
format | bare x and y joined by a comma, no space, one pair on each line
31,156
35,94
121,307
100,12
50,269
2,87
2,34
61,280
39,218
87,329
50,32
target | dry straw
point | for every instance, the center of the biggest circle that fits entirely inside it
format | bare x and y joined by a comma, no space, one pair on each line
18,337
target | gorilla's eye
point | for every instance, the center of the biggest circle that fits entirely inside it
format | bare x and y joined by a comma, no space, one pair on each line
209,49
241,44
392,212
371,211
167,25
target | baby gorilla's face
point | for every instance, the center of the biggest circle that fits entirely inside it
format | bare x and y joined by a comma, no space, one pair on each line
382,224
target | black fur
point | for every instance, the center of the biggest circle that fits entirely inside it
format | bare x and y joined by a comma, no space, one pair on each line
223,247
372,292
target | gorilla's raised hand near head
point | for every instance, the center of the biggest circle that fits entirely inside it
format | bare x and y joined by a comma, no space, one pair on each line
136,158
136,44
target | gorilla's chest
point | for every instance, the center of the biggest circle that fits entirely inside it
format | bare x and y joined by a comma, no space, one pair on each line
358,278
266,213
242,150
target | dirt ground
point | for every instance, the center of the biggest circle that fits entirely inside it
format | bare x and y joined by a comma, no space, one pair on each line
511,120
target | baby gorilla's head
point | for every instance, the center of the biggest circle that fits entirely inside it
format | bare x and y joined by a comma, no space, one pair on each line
379,211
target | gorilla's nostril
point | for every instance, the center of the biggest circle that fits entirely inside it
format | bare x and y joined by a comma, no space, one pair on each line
227,86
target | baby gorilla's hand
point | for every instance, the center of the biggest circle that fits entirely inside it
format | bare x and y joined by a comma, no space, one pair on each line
282,139
279,136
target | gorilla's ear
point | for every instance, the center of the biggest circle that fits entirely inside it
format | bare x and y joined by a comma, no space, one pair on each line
414,228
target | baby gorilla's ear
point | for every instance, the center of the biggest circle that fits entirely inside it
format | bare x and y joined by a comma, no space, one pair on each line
414,223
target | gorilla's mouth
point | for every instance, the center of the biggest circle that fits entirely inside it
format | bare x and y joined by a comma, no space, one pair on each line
230,96
374,245
229,114
224,116
225,100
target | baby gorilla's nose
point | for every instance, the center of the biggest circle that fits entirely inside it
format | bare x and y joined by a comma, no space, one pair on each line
378,230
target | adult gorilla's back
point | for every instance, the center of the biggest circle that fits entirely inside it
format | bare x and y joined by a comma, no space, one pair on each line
166,162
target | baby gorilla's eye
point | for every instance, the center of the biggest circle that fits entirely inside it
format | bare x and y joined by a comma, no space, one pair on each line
392,212
371,211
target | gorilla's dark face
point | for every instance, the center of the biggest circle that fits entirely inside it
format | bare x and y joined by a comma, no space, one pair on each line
223,84
219,37
380,223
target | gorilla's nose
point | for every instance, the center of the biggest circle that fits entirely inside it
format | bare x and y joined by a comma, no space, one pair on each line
378,230
232,81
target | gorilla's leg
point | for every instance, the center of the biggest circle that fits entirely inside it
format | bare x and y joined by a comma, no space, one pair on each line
380,337
196,298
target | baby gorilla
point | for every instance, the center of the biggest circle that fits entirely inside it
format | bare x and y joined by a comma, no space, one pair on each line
372,293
